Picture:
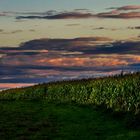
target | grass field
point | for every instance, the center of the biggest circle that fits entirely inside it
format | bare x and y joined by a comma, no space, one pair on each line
91,109
39,120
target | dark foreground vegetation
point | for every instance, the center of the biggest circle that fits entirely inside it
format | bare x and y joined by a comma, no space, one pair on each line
39,120
102,108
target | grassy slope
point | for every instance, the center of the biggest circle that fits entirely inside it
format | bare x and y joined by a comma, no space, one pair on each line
120,93
72,110
39,120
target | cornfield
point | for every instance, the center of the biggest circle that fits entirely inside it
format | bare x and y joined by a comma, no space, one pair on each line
120,93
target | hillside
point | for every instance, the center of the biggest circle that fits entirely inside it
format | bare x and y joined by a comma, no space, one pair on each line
120,92
101,108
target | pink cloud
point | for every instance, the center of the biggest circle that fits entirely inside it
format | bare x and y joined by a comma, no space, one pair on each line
129,7
13,85
99,60
2,14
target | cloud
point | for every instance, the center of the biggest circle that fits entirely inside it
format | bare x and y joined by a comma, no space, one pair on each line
76,24
84,15
99,28
3,14
1,30
104,28
45,60
124,12
136,27
128,7
84,62
32,30
61,15
50,12
82,9
100,45
12,85
76,44
16,31
116,14
12,32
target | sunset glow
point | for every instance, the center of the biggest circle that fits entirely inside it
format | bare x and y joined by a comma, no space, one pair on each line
42,41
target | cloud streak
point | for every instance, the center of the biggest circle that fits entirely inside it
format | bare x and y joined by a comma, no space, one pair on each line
75,15
61,15
120,12
54,59
126,8
136,27
46,60
124,12
127,15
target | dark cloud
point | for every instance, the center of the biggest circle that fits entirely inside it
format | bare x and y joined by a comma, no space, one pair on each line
30,17
84,45
128,7
99,28
101,45
12,32
116,14
124,12
81,9
1,30
136,27
16,31
104,28
32,30
64,44
46,60
63,15
50,12
80,15
76,24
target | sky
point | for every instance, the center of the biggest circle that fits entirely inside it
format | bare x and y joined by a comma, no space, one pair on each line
44,5
49,40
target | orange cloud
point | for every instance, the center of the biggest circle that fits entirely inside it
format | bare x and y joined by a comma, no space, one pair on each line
136,59
14,85
84,62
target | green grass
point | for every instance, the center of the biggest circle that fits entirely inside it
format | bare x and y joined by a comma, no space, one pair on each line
89,109
120,93
39,120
